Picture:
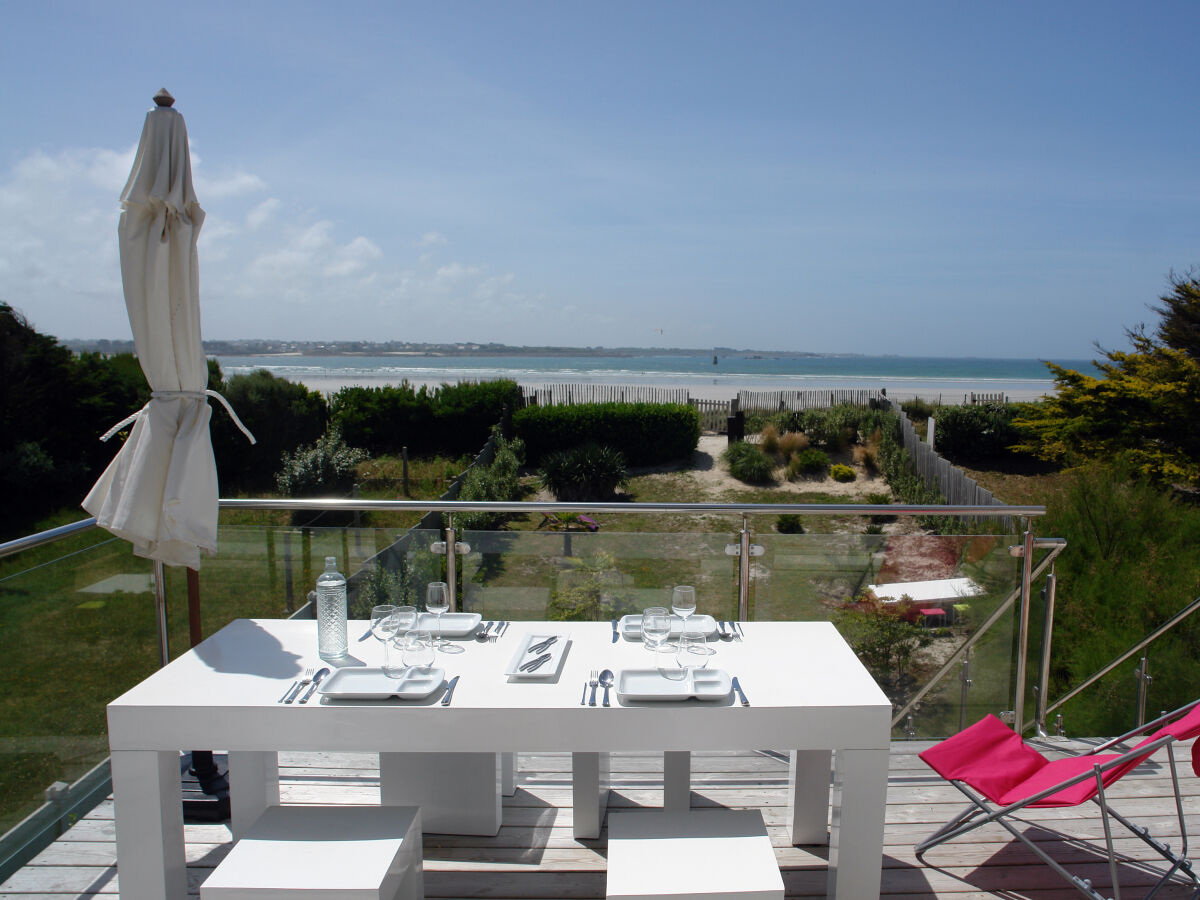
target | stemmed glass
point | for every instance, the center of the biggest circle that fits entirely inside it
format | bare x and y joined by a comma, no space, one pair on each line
683,602
383,627
437,601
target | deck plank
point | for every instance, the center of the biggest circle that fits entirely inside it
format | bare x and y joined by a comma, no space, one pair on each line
536,857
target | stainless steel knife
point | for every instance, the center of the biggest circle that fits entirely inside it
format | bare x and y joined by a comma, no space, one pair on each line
316,681
534,664
450,690
738,688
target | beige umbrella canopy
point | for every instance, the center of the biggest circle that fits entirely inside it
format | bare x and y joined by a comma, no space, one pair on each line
160,491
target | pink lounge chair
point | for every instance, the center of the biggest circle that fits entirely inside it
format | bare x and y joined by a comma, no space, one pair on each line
1000,774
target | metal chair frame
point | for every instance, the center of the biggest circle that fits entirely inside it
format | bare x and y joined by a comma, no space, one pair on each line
983,811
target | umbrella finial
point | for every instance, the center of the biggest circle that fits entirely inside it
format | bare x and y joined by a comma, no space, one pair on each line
163,97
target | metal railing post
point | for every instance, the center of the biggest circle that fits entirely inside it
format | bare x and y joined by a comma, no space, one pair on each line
1144,678
1023,631
965,677
744,572
1043,693
451,563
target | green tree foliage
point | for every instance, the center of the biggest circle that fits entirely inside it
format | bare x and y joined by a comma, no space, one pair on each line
497,481
326,468
281,415
1130,565
589,589
975,432
1142,408
1180,311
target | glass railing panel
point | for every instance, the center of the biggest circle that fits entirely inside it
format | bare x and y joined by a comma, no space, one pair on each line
77,629
575,575
907,603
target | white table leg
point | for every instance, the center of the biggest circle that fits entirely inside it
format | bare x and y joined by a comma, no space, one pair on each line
808,796
149,822
677,780
590,775
253,786
508,774
459,793
856,835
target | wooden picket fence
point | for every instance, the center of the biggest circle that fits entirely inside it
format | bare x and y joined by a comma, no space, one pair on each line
565,394
955,485
973,399
796,401
713,413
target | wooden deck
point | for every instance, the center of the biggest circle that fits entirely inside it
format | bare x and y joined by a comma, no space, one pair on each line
535,856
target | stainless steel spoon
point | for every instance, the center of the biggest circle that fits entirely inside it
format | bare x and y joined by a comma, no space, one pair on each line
606,679
482,634
721,632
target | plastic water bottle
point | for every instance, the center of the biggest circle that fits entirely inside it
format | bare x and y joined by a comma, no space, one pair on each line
331,611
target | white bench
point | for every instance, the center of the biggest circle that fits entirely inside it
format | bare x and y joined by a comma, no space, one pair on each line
720,853
324,853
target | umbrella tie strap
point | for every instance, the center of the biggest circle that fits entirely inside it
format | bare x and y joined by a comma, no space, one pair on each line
183,395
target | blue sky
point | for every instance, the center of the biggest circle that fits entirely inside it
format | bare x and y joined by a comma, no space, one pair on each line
956,178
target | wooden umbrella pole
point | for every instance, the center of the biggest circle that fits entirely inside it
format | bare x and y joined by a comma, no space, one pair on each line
193,589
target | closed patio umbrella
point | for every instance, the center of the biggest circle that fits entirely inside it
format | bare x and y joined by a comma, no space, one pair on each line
160,491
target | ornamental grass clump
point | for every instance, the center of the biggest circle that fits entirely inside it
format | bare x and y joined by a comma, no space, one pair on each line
792,442
748,463
583,473
810,461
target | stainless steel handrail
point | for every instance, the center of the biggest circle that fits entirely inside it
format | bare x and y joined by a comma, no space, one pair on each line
1140,645
8,548
733,509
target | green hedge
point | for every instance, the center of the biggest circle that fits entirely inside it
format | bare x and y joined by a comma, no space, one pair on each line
645,433
451,420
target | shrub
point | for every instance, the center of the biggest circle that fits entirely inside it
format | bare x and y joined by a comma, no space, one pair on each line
873,528
323,469
645,433
789,523
983,431
450,420
839,472
588,472
919,409
808,462
589,590
495,481
748,463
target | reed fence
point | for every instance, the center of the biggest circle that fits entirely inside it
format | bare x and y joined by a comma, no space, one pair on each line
564,394
955,485
797,401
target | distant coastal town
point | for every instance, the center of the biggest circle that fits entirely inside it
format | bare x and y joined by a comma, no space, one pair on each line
258,347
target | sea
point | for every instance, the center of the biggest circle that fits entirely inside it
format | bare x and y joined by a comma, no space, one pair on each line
705,375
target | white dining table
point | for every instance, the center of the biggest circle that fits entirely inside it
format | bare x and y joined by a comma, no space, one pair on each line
808,694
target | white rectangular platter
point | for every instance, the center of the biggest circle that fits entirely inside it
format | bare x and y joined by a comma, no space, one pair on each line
550,668
456,624
650,684
367,683
631,626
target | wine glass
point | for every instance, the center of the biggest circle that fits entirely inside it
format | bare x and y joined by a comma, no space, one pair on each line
437,601
417,649
656,627
383,627
683,602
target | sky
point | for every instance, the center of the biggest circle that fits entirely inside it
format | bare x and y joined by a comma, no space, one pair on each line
1011,179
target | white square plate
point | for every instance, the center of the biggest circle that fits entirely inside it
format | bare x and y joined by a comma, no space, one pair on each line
366,683
650,684
457,624
550,668
631,626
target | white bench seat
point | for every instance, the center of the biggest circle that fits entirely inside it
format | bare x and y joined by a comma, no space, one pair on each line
324,853
720,853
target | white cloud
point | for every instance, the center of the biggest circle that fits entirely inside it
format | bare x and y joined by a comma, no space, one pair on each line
431,239
261,214
235,184
353,257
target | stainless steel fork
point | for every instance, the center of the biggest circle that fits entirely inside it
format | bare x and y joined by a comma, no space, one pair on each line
593,683
303,683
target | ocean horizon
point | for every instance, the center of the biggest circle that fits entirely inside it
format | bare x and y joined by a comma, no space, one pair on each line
946,379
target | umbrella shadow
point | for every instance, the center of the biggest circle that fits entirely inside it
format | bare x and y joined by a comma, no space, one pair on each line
248,649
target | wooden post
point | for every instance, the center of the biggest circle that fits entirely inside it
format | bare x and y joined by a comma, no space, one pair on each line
193,589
